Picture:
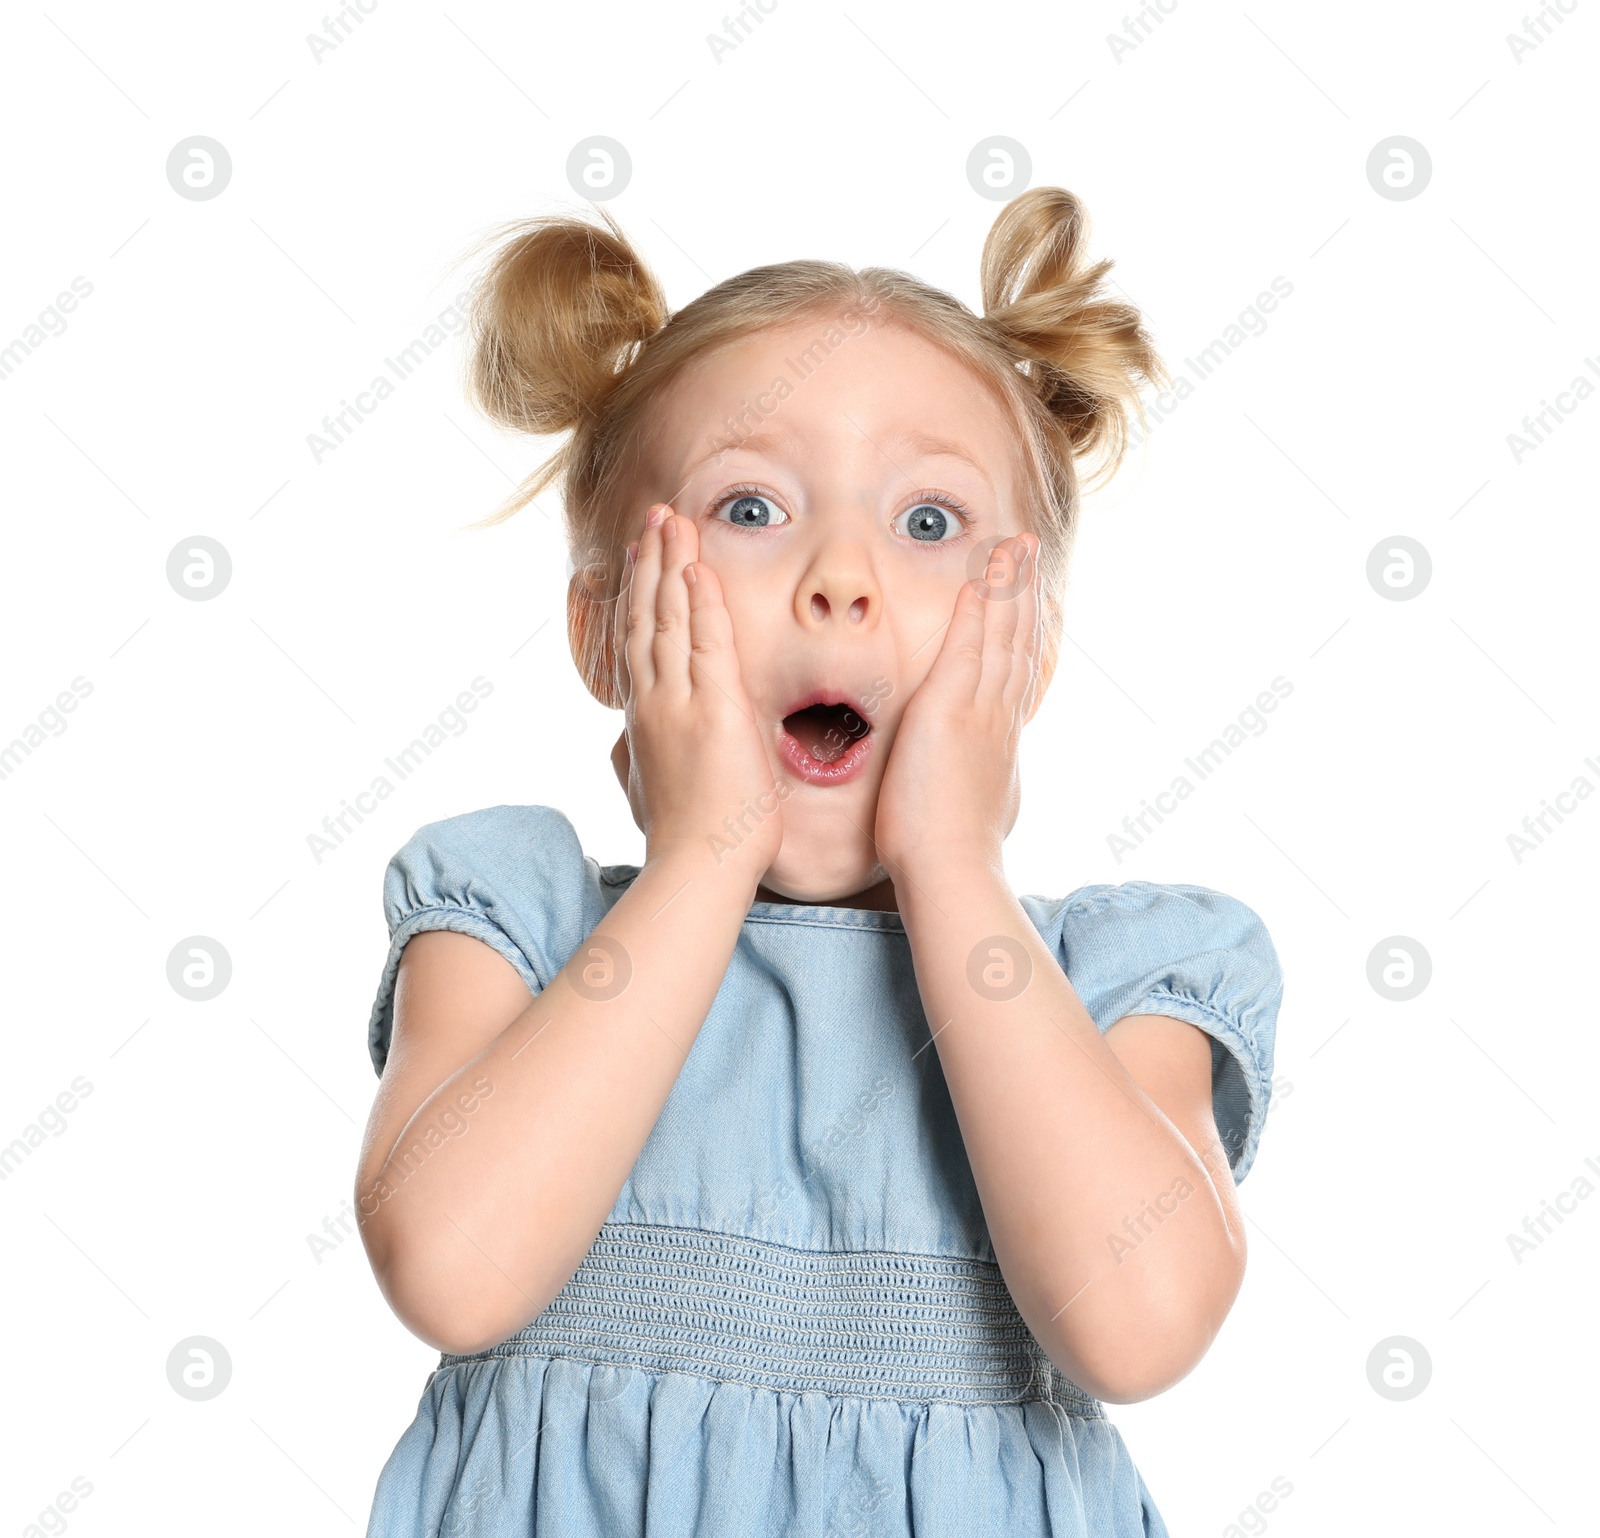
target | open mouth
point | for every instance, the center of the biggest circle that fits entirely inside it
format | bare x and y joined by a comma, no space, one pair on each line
826,731
826,741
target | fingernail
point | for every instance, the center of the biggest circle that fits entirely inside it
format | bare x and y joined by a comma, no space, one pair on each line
669,526
688,573
655,515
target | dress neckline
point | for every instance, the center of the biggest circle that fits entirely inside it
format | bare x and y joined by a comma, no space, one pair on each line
815,914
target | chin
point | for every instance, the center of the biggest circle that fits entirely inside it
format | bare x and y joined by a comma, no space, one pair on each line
821,878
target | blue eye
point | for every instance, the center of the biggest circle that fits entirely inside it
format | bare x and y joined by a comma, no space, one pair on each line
751,510
931,523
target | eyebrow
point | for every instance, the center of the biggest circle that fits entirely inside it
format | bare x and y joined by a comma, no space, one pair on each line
922,445
926,446
756,443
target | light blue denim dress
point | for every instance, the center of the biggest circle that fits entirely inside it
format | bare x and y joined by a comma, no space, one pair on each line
792,1322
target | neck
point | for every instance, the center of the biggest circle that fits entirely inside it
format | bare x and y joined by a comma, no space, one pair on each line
880,896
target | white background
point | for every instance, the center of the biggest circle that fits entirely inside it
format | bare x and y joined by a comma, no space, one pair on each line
1228,148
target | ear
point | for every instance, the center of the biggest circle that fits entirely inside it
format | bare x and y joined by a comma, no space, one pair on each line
621,760
1046,672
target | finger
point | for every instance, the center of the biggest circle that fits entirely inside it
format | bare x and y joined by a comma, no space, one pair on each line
1020,687
715,656
619,626
959,664
670,647
1005,575
642,609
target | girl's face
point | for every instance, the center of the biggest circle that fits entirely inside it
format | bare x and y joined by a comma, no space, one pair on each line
846,479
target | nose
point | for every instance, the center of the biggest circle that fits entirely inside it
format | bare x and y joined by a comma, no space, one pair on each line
838,589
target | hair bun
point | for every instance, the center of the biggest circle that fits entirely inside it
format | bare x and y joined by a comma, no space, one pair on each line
557,315
1086,354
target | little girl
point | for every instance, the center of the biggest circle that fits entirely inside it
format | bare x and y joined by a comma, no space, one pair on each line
804,1179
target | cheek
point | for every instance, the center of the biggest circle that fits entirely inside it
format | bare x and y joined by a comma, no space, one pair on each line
752,600
918,612
902,671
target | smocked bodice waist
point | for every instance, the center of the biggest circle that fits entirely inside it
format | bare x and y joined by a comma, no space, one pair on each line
875,1324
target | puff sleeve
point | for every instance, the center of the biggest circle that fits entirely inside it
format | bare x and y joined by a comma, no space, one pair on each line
1193,954
513,877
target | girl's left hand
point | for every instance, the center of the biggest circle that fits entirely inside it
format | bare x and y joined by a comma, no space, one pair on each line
951,792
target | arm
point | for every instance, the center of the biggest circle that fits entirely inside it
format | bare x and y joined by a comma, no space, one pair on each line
1097,1160
479,1204
504,1129
1104,1184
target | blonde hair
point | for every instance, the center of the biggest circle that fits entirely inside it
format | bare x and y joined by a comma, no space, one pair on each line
571,334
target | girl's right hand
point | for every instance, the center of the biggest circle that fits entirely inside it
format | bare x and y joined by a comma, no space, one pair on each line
699,779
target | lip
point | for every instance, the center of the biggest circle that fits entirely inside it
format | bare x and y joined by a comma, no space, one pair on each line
845,767
849,764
